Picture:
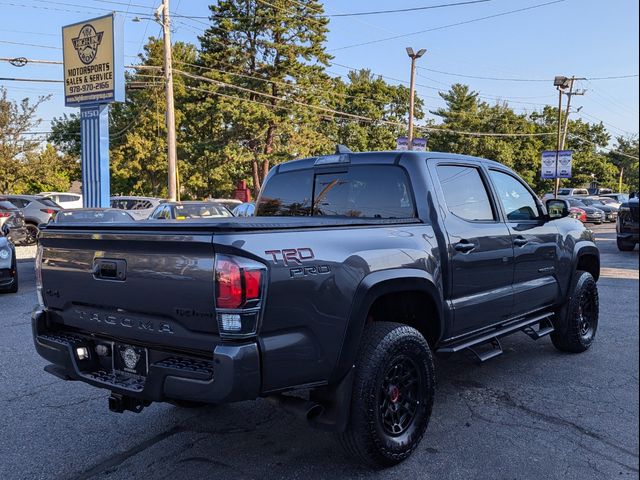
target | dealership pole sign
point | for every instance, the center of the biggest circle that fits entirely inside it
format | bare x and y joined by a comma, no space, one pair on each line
417,145
556,164
93,64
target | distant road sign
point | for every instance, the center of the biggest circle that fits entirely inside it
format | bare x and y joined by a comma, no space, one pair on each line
419,144
564,159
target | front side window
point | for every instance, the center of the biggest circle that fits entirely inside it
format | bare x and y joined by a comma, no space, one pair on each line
465,193
517,201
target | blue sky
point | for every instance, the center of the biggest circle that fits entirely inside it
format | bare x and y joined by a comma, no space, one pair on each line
586,38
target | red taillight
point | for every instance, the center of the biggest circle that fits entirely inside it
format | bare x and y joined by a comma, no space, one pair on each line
228,284
252,284
238,282
48,211
4,214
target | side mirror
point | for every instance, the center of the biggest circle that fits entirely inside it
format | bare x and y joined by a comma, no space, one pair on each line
557,208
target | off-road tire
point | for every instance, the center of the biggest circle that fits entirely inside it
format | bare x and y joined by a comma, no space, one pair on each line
576,322
384,348
625,246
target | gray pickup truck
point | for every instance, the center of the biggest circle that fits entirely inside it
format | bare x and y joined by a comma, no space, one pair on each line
357,269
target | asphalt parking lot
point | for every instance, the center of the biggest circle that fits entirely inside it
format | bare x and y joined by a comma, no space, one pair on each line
532,413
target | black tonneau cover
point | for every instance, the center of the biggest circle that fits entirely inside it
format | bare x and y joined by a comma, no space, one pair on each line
234,224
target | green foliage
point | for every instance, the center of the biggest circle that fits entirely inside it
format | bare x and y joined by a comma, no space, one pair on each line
255,92
24,168
622,157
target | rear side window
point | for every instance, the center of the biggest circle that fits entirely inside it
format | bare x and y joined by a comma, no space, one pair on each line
371,191
287,194
465,193
6,205
381,191
48,202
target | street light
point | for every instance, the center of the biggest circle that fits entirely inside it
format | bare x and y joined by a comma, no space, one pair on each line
414,57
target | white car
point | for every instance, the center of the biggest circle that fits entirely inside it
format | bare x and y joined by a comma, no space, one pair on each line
138,207
65,199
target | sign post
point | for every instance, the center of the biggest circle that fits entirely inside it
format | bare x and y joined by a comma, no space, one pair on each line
93,57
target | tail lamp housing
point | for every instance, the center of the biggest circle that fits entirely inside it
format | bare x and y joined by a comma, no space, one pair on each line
38,269
239,292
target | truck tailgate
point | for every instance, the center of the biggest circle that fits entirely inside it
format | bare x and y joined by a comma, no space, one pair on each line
155,288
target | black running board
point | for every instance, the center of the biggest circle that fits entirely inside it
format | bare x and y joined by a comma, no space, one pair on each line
491,338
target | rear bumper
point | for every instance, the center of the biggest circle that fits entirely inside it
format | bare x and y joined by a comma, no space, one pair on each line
231,373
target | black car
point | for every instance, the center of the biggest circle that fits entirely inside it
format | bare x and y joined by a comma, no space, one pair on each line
97,215
36,209
8,266
627,225
12,219
610,212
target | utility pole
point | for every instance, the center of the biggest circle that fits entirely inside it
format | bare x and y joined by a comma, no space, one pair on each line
414,57
620,179
569,94
170,115
560,83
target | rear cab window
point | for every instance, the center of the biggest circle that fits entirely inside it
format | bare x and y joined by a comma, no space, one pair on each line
361,191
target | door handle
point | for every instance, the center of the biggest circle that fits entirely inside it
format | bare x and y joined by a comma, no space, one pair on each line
465,246
520,241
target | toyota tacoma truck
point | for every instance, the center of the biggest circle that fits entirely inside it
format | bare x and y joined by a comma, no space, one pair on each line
356,271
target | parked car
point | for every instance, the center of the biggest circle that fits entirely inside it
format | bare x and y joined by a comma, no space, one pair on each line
65,199
611,212
578,214
8,262
230,203
98,215
599,191
610,201
618,197
355,270
627,228
12,221
139,207
573,192
594,215
36,209
192,209
244,210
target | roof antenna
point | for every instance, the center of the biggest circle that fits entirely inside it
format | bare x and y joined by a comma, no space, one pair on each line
342,149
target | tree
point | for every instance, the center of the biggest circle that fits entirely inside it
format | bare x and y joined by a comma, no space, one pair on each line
368,96
274,53
625,156
16,120
524,137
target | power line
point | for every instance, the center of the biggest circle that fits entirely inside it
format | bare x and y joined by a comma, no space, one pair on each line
401,10
404,35
30,45
36,80
507,79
